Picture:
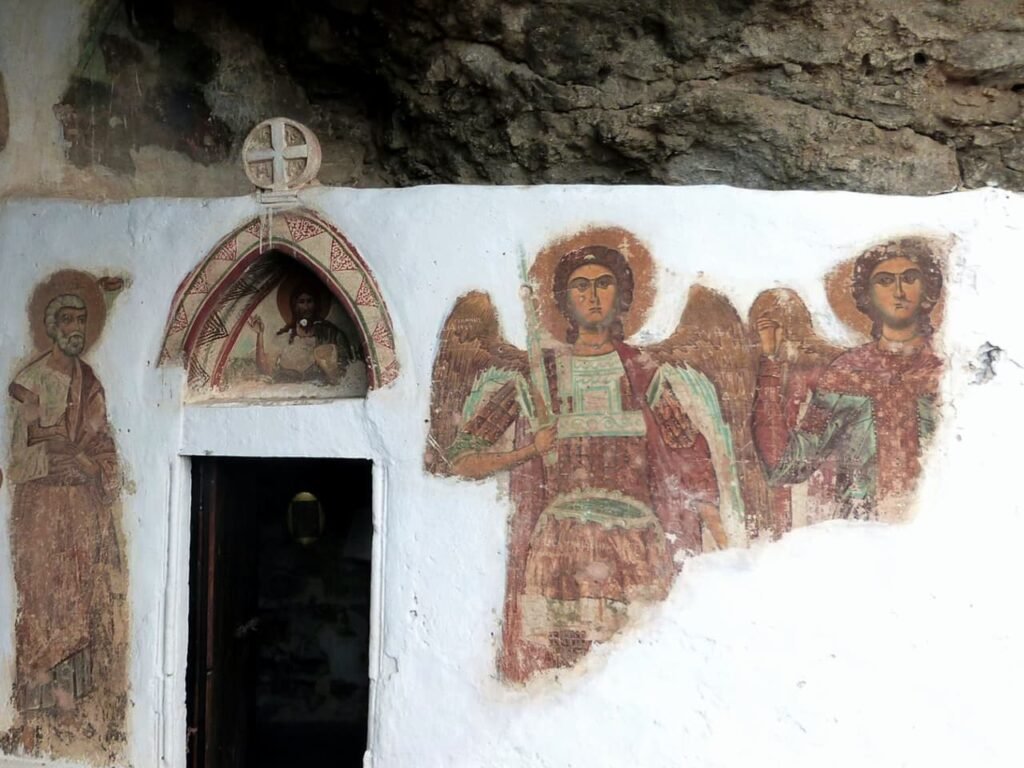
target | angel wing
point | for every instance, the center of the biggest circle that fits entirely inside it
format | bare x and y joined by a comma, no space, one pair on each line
800,346
804,355
471,347
712,365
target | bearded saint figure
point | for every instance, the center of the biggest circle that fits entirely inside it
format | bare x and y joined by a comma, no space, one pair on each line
67,559
873,409
619,461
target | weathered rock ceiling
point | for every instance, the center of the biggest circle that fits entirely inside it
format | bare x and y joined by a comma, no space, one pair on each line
915,97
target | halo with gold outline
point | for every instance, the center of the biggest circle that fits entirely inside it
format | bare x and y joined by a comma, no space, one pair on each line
839,289
81,284
542,274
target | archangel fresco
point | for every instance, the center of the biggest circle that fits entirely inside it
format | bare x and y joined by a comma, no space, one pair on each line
65,532
854,423
623,461
298,341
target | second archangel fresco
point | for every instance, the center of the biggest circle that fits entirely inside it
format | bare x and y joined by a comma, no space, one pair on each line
851,425
623,461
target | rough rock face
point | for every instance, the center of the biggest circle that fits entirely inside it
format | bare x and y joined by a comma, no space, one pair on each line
916,97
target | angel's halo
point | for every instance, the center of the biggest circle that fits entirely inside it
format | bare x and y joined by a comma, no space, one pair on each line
839,289
542,274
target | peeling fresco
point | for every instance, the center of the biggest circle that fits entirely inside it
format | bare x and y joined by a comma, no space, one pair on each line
625,460
65,532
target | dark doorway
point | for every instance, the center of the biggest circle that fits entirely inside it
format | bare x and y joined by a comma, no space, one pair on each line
279,612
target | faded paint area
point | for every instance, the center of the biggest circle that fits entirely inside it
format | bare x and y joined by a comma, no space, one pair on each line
124,94
772,650
627,460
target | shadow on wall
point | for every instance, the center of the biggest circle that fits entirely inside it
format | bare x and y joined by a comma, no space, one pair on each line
5,123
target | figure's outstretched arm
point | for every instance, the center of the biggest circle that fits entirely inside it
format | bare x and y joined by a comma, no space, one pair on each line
476,464
472,454
262,358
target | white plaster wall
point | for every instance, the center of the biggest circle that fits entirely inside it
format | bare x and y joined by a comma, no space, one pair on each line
34,156
843,644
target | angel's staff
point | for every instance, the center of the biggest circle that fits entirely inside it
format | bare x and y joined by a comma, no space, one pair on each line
540,391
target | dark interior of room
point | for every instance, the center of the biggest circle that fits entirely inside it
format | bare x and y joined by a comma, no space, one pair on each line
279,620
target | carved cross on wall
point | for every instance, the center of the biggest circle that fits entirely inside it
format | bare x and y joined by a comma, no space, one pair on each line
270,147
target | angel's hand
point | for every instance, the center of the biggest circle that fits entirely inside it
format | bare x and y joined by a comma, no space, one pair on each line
770,332
544,440
256,323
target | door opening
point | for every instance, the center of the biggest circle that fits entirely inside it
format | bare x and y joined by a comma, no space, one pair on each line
279,612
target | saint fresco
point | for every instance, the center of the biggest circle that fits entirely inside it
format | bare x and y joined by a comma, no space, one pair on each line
299,341
624,461
65,532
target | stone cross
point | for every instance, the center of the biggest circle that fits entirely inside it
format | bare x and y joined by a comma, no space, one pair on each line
281,155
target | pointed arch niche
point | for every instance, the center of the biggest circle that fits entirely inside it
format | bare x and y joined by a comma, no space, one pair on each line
216,306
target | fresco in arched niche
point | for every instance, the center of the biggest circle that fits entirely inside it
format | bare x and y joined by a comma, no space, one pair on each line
624,461
212,313
70,572
298,341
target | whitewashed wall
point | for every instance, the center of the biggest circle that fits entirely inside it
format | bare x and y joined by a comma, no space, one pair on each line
843,644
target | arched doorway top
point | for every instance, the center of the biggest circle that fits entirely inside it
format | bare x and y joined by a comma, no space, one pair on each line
213,302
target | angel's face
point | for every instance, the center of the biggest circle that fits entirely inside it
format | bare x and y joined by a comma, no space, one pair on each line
593,296
897,291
